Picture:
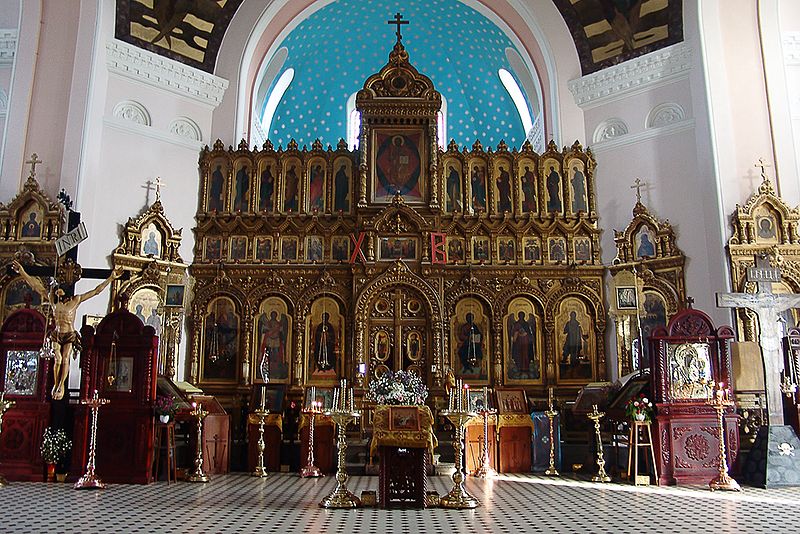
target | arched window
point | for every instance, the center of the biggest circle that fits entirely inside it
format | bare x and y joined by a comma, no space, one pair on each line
354,123
275,98
517,97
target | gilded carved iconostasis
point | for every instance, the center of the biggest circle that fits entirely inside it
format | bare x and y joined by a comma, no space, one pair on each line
397,255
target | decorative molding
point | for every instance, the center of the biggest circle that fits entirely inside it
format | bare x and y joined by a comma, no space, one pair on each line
132,111
609,129
650,133
8,46
148,131
3,103
664,114
143,66
536,134
791,48
633,77
186,128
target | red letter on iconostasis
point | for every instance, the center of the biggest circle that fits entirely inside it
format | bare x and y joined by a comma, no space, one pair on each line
438,252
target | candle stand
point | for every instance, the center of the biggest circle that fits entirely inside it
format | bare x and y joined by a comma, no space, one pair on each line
601,475
343,413
551,415
310,470
5,405
90,480
198,475
458,413
720,400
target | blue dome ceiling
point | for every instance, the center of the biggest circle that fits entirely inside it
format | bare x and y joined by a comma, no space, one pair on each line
339,46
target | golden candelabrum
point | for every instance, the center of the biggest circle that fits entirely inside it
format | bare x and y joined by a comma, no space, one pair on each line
90,480
261,413
601,475
551,415
5,405
310,470
342,413
198,475
720,400
485,470
458,412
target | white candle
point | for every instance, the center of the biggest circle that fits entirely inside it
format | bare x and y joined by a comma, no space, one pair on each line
263,398
336,398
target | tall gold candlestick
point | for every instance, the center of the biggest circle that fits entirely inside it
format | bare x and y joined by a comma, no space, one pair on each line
341,497
260,470
5,405
310,470
198,475
551,415
601,475
458,497
89,480
723,481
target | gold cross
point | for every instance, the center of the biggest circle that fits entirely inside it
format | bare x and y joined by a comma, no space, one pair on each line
638,184
763,165
33,162
159,185
398,21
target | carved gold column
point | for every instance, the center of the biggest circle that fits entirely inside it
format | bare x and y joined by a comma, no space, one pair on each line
248,331
362,169
497,353
298,352
197,332
433,177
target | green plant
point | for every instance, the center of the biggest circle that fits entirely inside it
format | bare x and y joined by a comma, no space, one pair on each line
55,445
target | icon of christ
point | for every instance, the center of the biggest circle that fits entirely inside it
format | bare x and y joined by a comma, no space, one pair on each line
398,166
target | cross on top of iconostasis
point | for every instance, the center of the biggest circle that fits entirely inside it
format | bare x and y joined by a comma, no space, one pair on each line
33,162
638,184
398,21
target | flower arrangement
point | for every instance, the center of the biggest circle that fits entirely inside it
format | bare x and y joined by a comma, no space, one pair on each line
55,445
639,408
165,405
399,387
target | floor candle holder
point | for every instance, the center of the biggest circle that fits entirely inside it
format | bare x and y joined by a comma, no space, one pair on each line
198,475
720,400
343,413
310,470
458,413
260,470
601,475
551,415
90,480
5,405
485,470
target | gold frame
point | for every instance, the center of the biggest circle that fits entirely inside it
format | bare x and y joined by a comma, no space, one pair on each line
422,148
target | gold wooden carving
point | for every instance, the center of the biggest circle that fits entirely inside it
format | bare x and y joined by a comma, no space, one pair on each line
521,238
648,284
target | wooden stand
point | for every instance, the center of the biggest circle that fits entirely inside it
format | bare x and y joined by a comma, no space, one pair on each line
634,443
474,444
402,477
165,443
515,449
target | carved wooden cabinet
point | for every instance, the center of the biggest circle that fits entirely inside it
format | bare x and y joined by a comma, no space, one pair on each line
684,356
25,378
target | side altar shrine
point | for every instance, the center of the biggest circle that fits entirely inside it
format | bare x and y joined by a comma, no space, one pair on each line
390,310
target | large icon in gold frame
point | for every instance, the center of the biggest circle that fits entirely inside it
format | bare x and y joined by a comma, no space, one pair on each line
273,334
400,163
522,342
575,341
469,341
324,341
220,341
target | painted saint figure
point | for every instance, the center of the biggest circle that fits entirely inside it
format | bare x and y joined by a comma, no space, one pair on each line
151,245
553,191
342,185
241,201
274,331
504,191
470,348
64,337
316,189
155,321
573,344
646,248
578,191
266,190
528,191
324,349
478,181
522,341
292,182
453,189
32,228
215,190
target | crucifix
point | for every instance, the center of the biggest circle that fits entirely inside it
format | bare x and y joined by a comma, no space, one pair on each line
761,164
767,306
638,184
159,184
33,162
398,21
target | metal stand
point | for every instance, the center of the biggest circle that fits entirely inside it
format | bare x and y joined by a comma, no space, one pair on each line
723,481
485,470
310,470
342,414
458,497
601,475
90,480
198,475
260,470
551,415
4,407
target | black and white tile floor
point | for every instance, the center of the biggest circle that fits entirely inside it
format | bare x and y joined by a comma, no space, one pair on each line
287,504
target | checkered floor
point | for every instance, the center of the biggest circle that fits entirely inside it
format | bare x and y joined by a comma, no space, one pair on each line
288,504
